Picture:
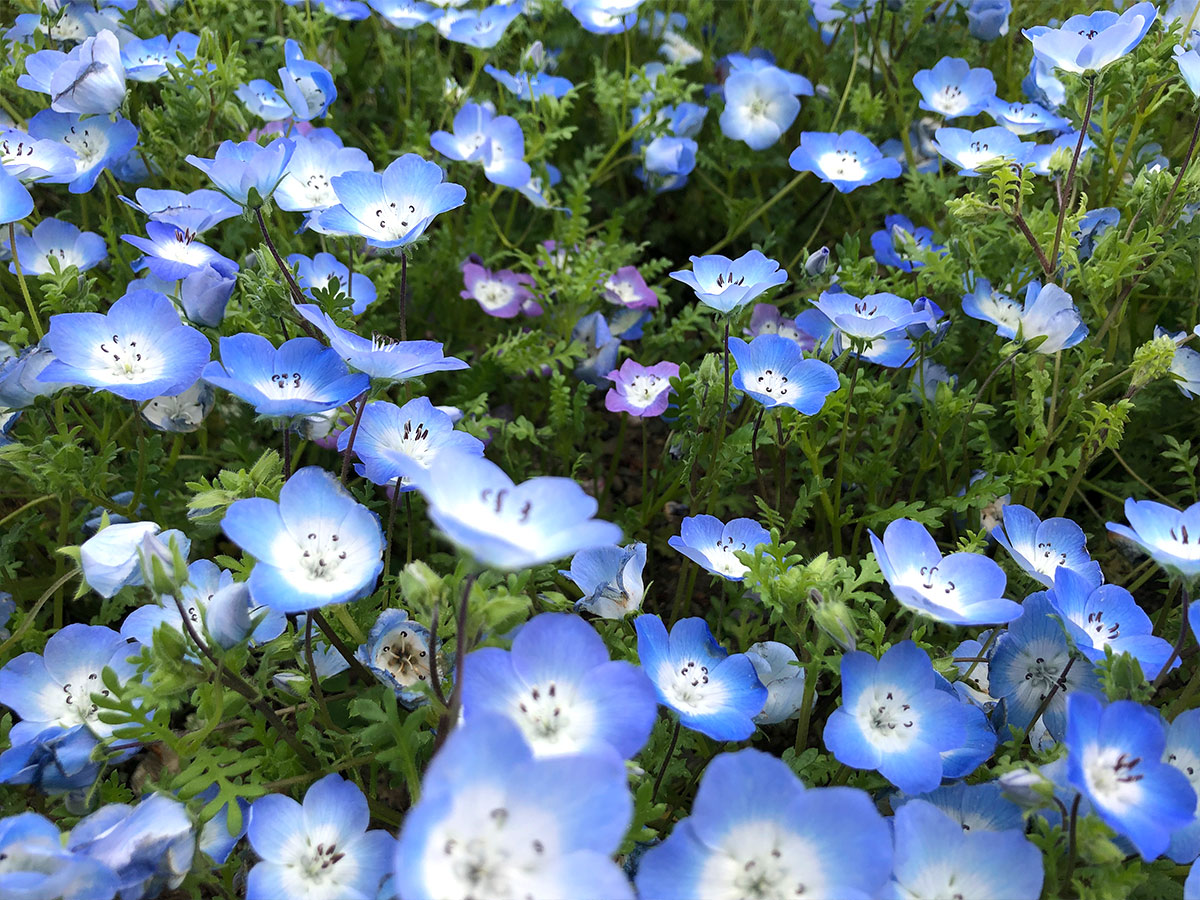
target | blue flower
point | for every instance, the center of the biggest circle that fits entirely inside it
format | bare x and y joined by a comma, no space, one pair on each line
495,141
19,383
755,828
406,14
1029,658
1050,313
531,85
261,98
976,807
203,293
138,350
936,857
1092,226
869,317
182,209
810,329
318,271
307,86
397,652
713,693
1182,750
604,16
759,107
726,284
173,252
895,244
894,719
55,689
667,162
37,865
1040,548
1060,151
468,142
778,669
15,200
1114,755
847,160
559,686
383,359
505,525
711,544
892,348
1025,118
316,546
988,146
610,578
542,827
989,305
55,761
1171,537
149,59
602,348
959,589
485,27
953,89
321,848
772,369
1188,60
60,241
302,377
110,559
306,185
979,736
1042,86
247,173
1092,42
1185,365
987,20
88,79
394,208
393,441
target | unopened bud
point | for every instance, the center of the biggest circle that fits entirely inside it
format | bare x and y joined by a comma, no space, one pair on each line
817,263
835,619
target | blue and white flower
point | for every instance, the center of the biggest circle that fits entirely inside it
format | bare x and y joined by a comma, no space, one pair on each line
773,370
610,578
393,441
711,543
953,89
1041,548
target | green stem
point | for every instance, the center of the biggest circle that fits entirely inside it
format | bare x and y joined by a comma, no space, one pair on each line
1070,183
12,244
666,761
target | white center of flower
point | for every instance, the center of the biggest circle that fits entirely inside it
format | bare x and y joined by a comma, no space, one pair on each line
89,146
1113,777
757,860
77,699
124,358
1043,664
405,654
1182,543
181,249
1046,559
842,164
625,291
321,556
725,281
688,686
1002,309
554,719
317,865
887,718
1187,761
758,107
773,384
494,294
976,154
643,390
950,100
318,191
723,560
395,220
929,582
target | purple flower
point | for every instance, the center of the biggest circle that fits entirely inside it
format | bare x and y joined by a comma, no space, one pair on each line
640,390
626,287
502,293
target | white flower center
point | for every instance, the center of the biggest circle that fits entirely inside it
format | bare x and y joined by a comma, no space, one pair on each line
90,147
774,384
396,219
1181,543
1113,777
623,289
320,556
126,358
318,863
723,560
950,100
643,390
1187,761
405,655
976,154
888,719
1047,560
181,249
688,686
1002,309
756,860
842,164
77,699
494,294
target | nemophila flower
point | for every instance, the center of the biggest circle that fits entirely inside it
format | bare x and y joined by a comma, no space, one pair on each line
894,719
319,849
346,10
987,20
953,89
773,370
29,159
495,141
1040,548
405,14
895,244
328,662
1107,616
1185,364
1182,750
148,59
869,317
559,686
975,807
319,271
506,525
202,294
667,161
306,185
34,864
626,287
602,348
1114,758
109,559
198,210
55,761
713,693
1025,118
531,85
1055,158
172,252
979,736
935,857
1188,61
54,689
393,441
15,200
988,146
383,359
316,546
392,208
88,79
307,86
247,173
753,63
759,107
639,390
711,544
540,181
756,831
300,378
138,350
1089,43
483,28
1042,86
726,284
397,652
810,329
263,99
61,241
989,305
604,16
1171,537
1050,312
610,578
959,589
847,160
495,820
502,293
778,669
1092,226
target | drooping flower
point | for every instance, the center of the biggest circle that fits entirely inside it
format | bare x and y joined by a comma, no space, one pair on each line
393,441
667,161
1089,43
322,269
847,161
640,391
506,525
316,546
898,242
320,848
495,820
960,589
247,173
57,760
987,20
1171,537
610,578
602,348
1040,548
773,370
502,293
714,693
725,284
307,86
755,830
985,147
88,79
1114,758
937,857
62,242
711,544
894,719
398,652
953,89
777,667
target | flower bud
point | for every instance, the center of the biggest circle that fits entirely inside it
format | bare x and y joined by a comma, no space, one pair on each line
817,263
835,619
